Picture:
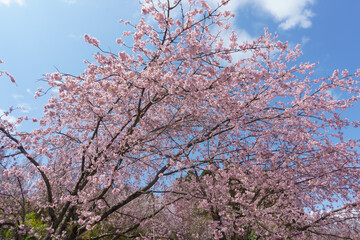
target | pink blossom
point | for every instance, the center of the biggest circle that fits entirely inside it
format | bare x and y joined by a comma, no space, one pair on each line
126,33
248,145
146,9
10,76
81,222
159,17
89,227
119,41
91,40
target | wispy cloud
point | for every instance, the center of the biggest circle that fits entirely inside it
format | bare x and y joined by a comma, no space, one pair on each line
8,118
17,96
55,90
243,36
304,40
76,36
8,2
335,95
24,107
289,13
70,1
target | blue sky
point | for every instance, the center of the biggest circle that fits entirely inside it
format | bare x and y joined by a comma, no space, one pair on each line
40,36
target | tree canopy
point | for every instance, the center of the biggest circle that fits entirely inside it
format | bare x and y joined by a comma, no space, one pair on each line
183,134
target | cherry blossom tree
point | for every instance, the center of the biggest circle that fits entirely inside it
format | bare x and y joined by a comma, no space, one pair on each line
183,126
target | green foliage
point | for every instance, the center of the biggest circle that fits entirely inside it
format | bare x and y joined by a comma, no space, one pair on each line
32,221
92,233
9,234
252,236
35,223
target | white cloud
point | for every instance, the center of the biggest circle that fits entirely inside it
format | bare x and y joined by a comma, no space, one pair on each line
55,90
335,95
290,13
76,36
70,1
8,118
24,107
8,2
243,36
17,96
304,40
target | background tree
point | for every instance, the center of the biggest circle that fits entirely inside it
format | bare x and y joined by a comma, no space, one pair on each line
259,140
